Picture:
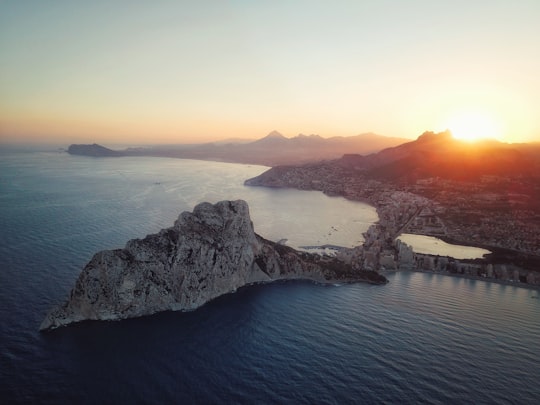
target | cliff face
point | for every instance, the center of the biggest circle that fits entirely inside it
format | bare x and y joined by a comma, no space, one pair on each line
207,253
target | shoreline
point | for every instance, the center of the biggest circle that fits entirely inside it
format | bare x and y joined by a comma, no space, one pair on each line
498,255
468,277
48,327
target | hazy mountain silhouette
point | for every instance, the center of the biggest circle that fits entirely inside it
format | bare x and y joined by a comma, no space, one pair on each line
271,150
276,149
93,150
440,155
431,155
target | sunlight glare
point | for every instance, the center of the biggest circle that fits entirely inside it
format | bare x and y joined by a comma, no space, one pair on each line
474,125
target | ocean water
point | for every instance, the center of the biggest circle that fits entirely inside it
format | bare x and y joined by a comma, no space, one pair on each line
422,338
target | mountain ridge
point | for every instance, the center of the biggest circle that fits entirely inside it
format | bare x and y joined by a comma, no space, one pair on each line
270,150
434,154
440,155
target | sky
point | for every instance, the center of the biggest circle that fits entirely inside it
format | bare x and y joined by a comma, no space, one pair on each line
138,72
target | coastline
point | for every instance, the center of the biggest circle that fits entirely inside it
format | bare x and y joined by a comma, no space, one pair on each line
379,230
50,322
467,276
498,255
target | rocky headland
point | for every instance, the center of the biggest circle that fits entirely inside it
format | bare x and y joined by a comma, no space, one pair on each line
207,253
93,150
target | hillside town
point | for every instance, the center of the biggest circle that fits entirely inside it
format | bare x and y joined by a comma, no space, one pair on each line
500,214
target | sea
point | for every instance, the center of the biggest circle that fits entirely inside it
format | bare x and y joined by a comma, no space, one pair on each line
422,338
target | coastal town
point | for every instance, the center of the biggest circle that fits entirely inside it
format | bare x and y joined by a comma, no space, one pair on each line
496,213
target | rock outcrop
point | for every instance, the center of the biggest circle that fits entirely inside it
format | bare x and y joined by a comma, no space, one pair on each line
93,150
207,253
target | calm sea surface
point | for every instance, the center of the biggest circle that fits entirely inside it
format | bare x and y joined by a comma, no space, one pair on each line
422,338
435,246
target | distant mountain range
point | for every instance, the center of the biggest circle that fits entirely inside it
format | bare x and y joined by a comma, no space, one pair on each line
379,157
440,155
271,150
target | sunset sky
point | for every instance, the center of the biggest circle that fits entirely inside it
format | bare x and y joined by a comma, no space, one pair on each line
135,72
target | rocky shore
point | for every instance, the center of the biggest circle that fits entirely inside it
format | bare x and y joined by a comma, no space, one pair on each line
207,253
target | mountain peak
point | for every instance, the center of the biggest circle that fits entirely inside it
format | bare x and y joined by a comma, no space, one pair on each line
312,136
272,138
436,136
274,135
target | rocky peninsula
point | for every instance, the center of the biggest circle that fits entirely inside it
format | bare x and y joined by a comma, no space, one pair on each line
209,252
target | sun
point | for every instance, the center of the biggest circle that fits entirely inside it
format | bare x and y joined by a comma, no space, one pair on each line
474,125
